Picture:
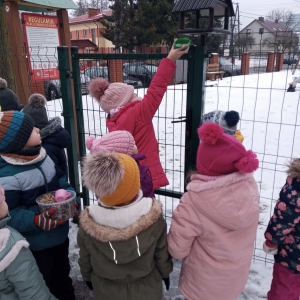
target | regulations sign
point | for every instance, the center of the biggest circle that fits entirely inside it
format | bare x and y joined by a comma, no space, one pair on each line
42,39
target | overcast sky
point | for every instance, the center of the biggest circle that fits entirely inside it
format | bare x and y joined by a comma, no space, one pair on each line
252,9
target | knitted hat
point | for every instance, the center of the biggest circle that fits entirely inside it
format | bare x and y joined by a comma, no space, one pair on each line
227,120
113,177
8,99
120,141
110,95
37,111
221,154
15,130
2,195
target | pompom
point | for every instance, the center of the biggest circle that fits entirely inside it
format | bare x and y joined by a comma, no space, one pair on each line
37,100
210,133
232,118
97,88
249,163
3,83
89,142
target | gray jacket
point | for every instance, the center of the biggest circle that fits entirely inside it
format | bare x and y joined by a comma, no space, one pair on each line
20,278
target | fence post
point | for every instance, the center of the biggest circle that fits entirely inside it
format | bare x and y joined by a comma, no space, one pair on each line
79,113
271,60
214,59
195,103
68,114
245,68
279,62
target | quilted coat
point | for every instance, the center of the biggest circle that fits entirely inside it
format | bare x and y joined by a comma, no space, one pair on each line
284,226
23,181
20,277
124,251
213,230
136,117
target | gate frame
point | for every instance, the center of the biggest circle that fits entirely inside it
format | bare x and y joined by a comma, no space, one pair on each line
196,58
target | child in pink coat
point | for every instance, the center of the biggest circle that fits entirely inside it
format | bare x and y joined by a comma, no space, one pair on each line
122,141
127,112
214,227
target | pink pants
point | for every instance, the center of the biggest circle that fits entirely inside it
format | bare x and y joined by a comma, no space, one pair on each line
285,284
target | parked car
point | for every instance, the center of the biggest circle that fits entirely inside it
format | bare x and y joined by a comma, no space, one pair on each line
83,66
290,60
53,90
102,71
229,68
144,72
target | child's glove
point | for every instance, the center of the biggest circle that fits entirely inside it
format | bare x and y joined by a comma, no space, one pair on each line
45,222
167,282
270,248
89,284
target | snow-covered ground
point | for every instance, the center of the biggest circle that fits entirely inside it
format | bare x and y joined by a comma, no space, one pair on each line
270,125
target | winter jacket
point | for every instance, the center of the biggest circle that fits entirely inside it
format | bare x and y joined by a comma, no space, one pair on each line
146,179
213,230
284,226
54,139
124,251
20,277
23,182
136,117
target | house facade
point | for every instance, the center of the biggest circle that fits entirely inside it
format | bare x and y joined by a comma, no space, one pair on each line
86,32
266,36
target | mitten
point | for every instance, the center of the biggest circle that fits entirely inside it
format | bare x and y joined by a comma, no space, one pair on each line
270,248
167,282
89,284
45,222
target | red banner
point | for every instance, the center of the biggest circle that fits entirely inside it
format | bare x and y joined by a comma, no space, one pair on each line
42,39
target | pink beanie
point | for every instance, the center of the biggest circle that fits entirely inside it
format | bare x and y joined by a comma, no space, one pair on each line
221,154
2,195
110,95
120,141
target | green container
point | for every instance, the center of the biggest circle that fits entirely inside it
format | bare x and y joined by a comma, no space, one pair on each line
182,41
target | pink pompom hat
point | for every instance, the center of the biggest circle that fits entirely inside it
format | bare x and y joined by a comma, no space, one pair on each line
221,154
110,95
120,141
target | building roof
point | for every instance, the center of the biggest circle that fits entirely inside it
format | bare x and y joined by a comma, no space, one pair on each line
83,43
272,27
189,5
86,19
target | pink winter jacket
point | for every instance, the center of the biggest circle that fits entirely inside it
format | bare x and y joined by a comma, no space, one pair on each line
213,230
136,117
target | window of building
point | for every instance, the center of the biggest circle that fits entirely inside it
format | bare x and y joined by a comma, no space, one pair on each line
248,30
71,34
94,35
86,50
84,32
77,34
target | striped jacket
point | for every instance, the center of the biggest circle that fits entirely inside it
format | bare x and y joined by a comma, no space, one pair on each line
23,182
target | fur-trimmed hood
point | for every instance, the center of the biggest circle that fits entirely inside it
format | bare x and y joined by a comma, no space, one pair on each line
105,233
54,125
11,243
230,200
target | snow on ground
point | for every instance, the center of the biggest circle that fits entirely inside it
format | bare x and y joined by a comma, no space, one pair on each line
270,125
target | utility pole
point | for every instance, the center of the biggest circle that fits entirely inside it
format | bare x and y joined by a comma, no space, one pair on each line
235,21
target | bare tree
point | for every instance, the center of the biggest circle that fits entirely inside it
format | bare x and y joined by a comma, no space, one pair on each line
82,8
283,16
245,41
101,4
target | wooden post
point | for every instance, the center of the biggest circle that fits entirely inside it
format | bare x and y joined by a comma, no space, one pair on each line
65,40
17,49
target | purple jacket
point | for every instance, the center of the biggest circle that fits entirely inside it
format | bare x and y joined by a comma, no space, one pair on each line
146,179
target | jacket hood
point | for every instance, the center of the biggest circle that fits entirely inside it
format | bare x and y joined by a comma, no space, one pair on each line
122,110
134,235
226,200
11,243
4,221
55,134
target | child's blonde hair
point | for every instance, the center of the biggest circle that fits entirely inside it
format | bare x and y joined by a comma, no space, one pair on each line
293,168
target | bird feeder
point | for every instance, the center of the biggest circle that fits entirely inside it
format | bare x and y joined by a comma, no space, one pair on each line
204,14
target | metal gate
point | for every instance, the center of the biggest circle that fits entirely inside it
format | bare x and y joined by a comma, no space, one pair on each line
175,122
